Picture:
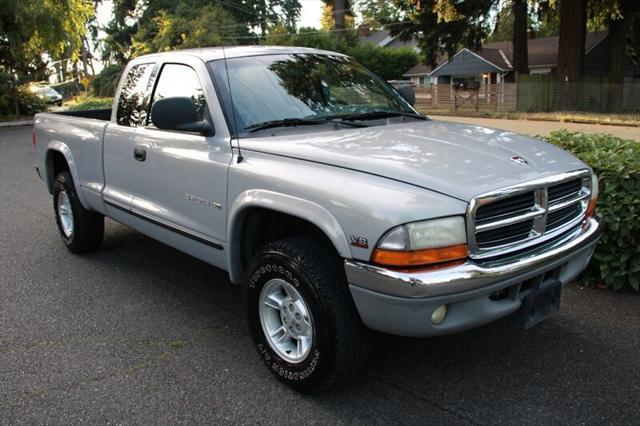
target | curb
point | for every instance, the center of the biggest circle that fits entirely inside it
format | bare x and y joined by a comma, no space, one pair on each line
576,121
16,123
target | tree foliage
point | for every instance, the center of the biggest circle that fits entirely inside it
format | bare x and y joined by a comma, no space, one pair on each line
29,28
443,26
143,26
390,64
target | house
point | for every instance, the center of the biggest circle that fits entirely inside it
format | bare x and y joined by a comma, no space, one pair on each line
492,64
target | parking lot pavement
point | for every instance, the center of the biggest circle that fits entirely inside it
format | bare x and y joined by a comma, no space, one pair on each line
140,333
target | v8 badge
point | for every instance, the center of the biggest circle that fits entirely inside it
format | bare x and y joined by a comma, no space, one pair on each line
358,241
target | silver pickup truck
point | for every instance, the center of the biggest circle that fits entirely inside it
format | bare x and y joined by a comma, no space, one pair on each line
322,191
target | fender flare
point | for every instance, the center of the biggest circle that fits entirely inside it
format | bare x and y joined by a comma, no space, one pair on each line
283,203
61,147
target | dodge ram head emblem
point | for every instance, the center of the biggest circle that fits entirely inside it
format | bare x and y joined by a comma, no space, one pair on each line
519,160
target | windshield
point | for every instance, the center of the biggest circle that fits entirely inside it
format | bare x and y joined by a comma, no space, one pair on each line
300,86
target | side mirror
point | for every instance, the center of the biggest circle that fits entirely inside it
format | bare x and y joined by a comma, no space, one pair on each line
179,113
408,93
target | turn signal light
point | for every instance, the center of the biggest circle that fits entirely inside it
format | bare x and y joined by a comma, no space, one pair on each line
419,257
591,207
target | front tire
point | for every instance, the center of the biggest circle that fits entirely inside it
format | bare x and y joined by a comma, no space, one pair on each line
302,318
81,230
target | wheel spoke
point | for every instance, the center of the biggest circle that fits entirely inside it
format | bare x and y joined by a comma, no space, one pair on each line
274,301
302,345
282,331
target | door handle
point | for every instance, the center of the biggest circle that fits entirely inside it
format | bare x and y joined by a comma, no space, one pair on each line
139,153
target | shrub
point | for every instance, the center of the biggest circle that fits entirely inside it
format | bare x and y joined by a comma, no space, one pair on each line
616,162
104,84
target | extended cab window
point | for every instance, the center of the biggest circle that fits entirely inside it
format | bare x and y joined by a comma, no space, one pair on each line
134,96
178,80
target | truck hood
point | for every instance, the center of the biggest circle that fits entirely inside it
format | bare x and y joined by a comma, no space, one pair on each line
454,159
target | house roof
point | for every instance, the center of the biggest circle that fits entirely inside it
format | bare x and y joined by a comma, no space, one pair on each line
384,38
542,52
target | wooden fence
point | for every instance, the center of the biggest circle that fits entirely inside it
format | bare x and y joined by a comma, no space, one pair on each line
487,98
532,95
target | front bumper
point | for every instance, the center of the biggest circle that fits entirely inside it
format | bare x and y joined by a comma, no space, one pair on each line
401,303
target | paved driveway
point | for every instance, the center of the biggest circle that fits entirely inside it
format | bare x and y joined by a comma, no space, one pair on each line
535,128
139,333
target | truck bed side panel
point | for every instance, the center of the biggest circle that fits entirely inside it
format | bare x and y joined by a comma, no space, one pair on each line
80,141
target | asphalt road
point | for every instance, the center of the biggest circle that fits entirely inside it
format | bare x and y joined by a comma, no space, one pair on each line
140,333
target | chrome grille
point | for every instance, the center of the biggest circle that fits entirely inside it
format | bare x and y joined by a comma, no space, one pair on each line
525,215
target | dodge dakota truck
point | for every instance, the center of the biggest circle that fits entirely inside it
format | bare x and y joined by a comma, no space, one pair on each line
323,192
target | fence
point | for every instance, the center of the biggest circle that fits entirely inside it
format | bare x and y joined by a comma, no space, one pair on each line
533,94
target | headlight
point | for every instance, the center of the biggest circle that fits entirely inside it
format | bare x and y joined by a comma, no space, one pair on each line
423,243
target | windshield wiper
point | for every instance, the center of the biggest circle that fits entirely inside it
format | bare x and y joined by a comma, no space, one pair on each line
378,114
298,122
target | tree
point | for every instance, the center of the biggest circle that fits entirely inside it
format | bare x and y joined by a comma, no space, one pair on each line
503,28
520,37
573,20
337,16
443,26
378,13
30,28
188,28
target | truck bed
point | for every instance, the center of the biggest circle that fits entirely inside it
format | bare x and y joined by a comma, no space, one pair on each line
96,114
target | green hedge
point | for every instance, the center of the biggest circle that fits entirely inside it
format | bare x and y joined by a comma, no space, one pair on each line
616,162
90,102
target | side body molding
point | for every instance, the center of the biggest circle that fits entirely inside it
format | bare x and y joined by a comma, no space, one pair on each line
61,147
294,206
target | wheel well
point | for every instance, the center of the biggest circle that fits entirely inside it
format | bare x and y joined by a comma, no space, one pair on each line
56,164
261,226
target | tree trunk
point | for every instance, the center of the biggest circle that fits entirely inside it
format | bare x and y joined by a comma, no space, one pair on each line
617,47
520,37
573,24
339,11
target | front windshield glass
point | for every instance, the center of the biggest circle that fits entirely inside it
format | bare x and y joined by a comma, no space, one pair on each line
300,86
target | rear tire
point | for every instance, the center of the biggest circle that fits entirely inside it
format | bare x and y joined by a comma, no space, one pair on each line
297,292
81,230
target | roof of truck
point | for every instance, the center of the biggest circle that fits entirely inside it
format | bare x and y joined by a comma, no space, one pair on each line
213,53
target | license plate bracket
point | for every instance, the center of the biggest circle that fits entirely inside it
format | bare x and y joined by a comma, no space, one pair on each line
541,303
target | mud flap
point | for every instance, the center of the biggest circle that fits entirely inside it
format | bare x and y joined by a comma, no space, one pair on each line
540,304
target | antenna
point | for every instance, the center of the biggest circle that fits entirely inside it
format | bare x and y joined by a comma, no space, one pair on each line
233,108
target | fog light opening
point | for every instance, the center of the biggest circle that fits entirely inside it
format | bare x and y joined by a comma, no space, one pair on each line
439,314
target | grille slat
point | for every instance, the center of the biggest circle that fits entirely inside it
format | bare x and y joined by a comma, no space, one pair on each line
512,222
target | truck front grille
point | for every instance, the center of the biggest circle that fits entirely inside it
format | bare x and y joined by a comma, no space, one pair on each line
525,215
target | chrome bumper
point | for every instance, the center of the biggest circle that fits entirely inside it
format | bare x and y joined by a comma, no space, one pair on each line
473,275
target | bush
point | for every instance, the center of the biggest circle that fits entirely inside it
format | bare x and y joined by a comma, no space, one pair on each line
104,84
616,161
90,102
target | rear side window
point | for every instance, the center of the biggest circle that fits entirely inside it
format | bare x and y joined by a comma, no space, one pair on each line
178,80
133,102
